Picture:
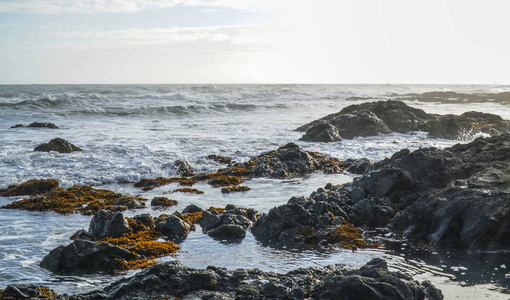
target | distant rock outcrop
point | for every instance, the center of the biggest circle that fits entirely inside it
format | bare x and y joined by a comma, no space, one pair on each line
382,117
59,145
37,125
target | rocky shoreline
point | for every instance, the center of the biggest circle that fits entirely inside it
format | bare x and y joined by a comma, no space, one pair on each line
454,198
173,280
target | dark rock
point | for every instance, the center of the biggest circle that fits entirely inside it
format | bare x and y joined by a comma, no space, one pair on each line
163,201
228,232
43,125
192,208
229,225
382,117
31,187
173,227
81,257
26,291
145,219
106,223
372,281
82,234
57,144
18,126
323,132
452,198
358,166
220,159
182,168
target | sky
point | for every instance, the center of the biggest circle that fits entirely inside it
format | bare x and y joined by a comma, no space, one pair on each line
261,41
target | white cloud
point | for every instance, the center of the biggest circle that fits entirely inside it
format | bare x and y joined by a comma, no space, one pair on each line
249,38
122,6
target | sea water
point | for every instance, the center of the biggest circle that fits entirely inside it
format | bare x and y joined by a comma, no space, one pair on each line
129,132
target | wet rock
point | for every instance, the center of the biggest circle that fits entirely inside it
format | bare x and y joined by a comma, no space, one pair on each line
43,125
37,125
57,144
31,187
26,291
78,199
322,132
227,232
220,159
315,221
382,117
82,234
372,281
106,223
192,208
452,198
174,228
358,166
229,224
163,201
82,257
288,161
182,168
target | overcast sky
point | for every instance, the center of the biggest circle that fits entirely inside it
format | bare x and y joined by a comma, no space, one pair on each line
254,41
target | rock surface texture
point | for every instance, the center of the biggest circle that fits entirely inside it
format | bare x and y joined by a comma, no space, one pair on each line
172,279
382,117
456,198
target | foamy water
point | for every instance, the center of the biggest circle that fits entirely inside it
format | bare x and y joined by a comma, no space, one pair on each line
133,132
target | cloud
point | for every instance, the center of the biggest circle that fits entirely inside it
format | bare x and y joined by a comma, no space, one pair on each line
121,6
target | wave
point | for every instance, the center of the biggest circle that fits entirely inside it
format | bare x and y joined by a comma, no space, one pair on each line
456,97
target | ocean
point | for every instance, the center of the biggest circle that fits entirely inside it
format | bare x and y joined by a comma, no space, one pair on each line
130,132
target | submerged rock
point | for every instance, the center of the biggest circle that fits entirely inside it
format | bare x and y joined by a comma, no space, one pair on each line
172,279
163,202
182,168
31,187
38,125
76,199
229,224
288,161
59,145
81,257
26,291
382,117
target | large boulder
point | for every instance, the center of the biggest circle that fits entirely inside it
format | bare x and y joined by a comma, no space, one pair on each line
59,145
106,223
230,224
372,281
382,117
83,257
323,132
451,198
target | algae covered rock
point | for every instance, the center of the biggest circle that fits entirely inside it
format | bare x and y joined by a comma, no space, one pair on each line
59,145
32,187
